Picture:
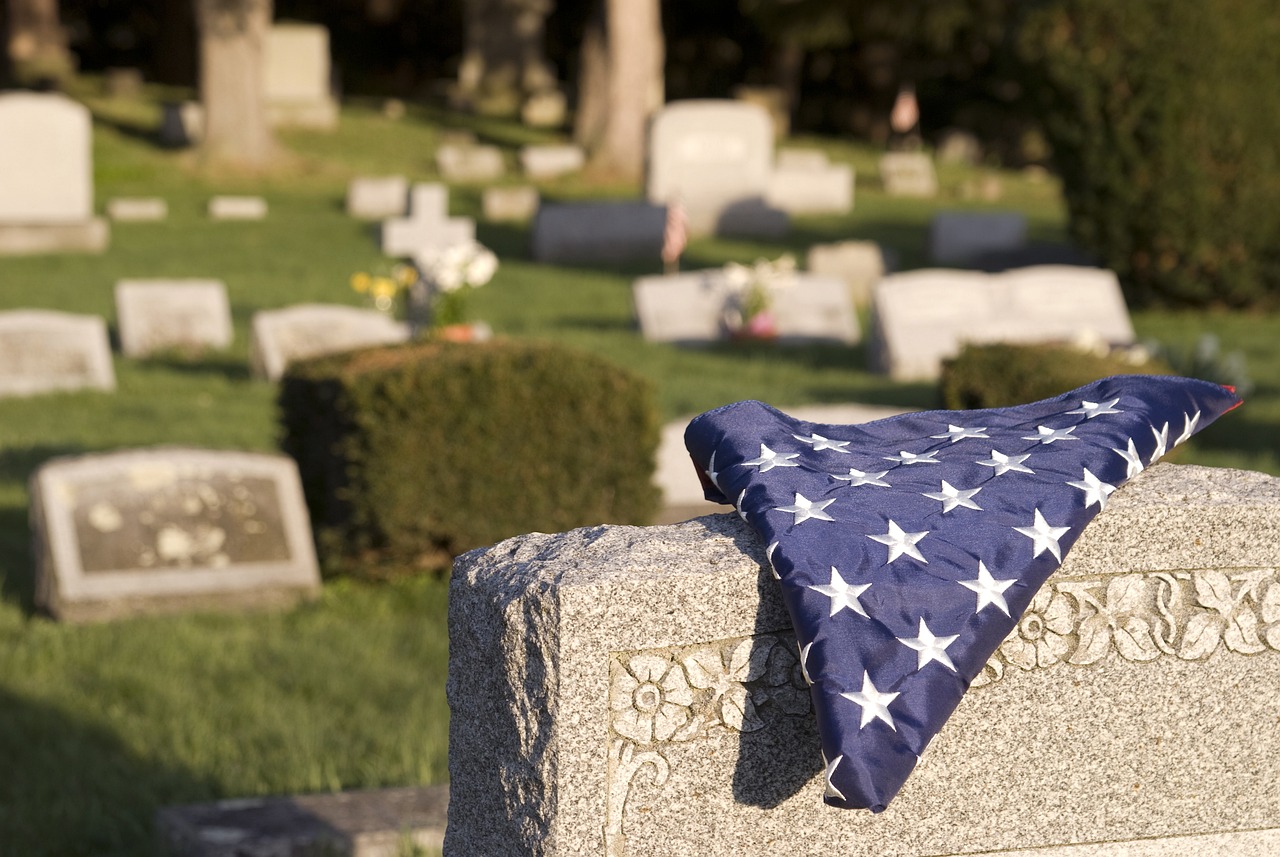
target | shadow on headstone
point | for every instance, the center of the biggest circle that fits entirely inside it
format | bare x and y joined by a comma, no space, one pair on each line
17,572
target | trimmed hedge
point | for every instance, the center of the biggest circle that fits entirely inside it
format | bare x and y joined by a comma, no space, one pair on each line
414,454
1000,375
1162,128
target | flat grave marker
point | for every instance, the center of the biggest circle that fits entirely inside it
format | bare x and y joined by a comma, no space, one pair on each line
169,528
237,208
188,315
137,209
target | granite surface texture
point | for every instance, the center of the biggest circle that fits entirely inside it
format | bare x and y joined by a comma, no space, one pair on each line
635,691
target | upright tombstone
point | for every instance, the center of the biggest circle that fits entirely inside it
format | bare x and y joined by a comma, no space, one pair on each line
908,174
187,315
281,336
164,529
46,176
598,232
923,317
860,264
428,224
690,308
716,157
377,197
965,237
630,691
42,351
296,77
801,185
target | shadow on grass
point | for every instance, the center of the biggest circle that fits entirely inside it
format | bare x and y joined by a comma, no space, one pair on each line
17,570
148,134
200,363
74,788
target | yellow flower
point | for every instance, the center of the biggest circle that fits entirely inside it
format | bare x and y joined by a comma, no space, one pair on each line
383,287
360,282
406,275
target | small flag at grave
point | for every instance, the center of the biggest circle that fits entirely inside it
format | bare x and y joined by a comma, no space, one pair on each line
675,235
909,548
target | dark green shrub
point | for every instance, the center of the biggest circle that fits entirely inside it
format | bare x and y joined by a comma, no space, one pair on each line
1159,116
1000,375
414,454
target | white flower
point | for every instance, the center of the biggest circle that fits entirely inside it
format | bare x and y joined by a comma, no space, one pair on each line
482,267
450,268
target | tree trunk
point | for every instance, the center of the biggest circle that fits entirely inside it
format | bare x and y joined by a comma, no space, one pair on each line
593,83
233,40
634,31
36,43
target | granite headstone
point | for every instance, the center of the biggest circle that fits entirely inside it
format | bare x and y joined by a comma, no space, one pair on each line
42,351
187,315
281,336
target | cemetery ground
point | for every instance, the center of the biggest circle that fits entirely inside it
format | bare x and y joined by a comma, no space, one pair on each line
100,725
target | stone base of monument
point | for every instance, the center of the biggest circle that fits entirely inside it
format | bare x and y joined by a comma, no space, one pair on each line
636,691
375,823
29,239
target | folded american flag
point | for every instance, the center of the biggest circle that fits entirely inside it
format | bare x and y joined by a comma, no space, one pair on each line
908,548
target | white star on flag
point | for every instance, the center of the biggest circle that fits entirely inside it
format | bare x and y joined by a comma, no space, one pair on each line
1047,435
1162,443
952,497
857,477
1131,459
955,433
1005,463
768,554
842,594
1189,428
929,647
1044,536
1095,490
712,473
769,459
804,509
874,704
804,662
989,590
904,457
819,443
900,543
1097,409
831,790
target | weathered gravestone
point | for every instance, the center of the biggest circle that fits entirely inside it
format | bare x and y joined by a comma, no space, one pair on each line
965,237
46,176
908,174
296,76
860,264
428,224
677,478
137,208
924,317
154,530
509,203
181,123
369,823
804,182
549,162
622,691
607,232
469,163
237,208
716,157
280,336
188,315
42,351
690,308
377,198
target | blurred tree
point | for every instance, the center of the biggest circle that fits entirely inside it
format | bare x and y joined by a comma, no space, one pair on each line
36,42
233,36
620,84
504,57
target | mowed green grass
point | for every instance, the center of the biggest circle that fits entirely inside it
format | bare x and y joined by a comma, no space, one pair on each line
101,725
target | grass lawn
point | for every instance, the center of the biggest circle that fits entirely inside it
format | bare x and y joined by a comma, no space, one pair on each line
101,725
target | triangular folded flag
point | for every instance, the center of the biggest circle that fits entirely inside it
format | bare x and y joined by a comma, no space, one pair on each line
908,548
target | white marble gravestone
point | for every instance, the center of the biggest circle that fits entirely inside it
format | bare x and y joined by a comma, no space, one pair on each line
908,174
377,197
153,530
296,76
46,176
281,336
859,263
187,315
964,237
632,691
690,308
717,158
598,232
923,317
42,351
428,224
804,182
